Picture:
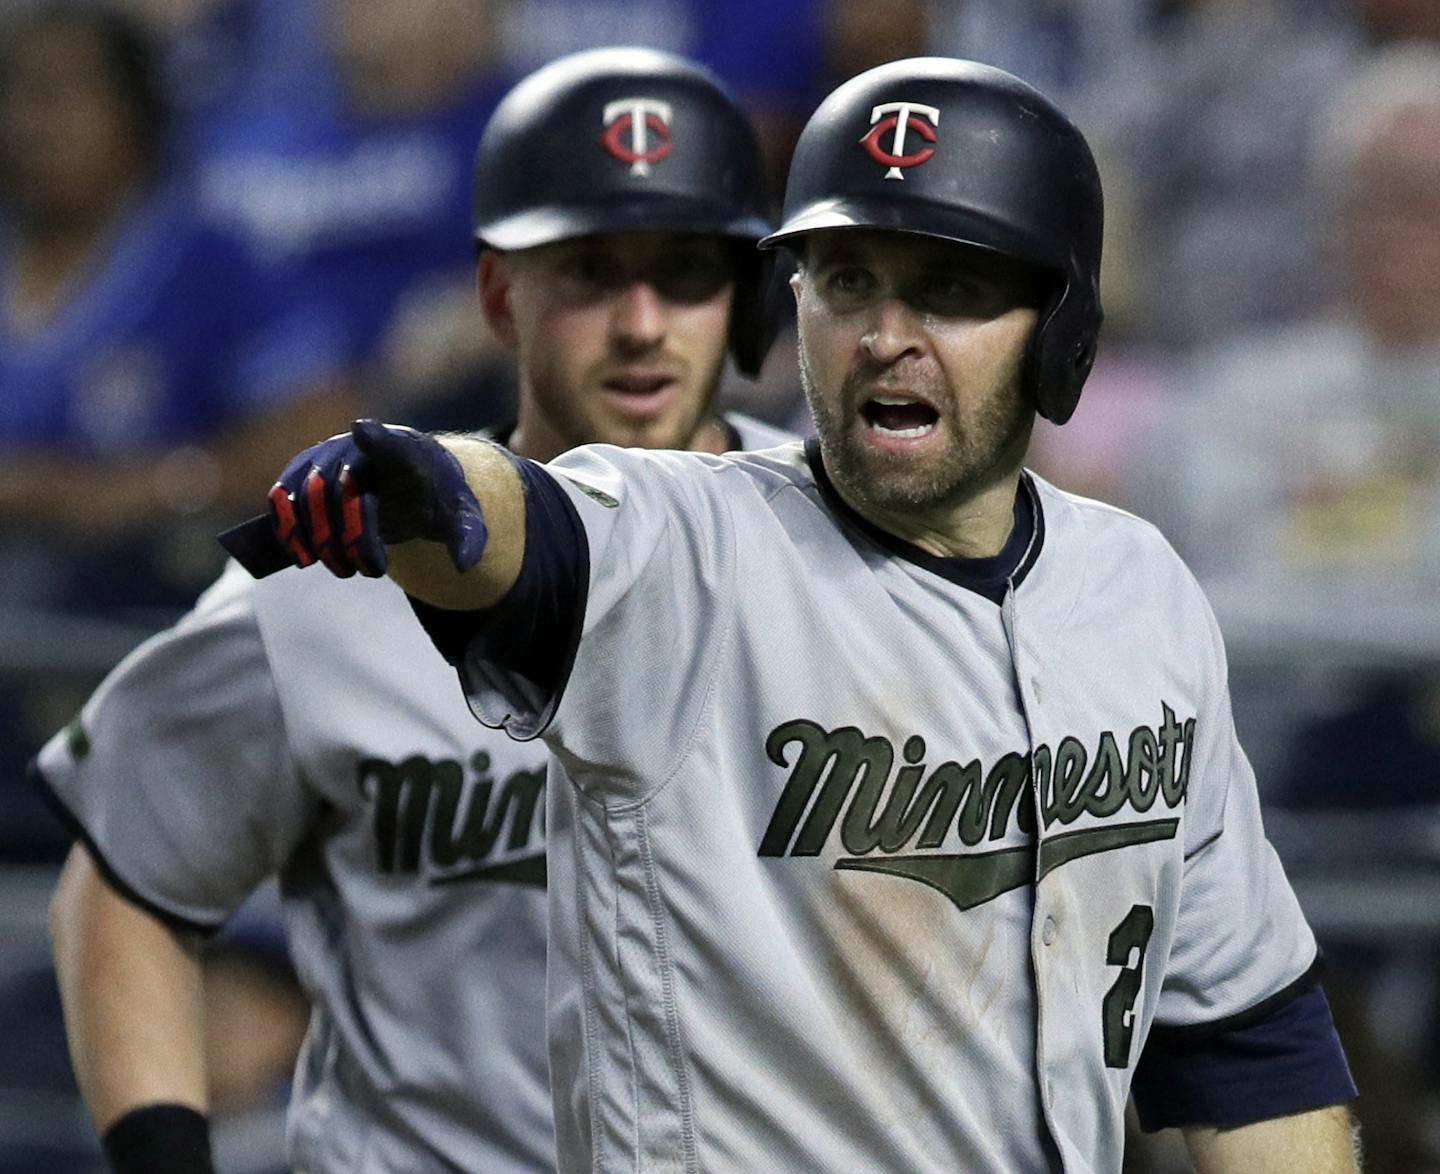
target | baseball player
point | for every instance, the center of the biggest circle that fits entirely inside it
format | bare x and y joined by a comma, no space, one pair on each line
255,738
897,820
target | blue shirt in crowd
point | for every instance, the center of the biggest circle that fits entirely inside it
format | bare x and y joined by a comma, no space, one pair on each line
362,211
174,331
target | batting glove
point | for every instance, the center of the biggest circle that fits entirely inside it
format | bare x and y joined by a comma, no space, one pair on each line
341,501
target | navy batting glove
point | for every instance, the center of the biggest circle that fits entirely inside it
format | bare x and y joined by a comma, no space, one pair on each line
341,501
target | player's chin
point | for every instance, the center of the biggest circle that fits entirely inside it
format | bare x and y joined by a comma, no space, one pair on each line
669,429
878,469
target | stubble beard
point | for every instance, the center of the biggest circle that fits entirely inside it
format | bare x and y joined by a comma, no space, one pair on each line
977,456
575,422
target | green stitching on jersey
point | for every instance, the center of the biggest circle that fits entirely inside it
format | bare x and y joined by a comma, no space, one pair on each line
599,495
1117,1012
966,880
77,741
529,870
973,880
1070,846
843,778
420,794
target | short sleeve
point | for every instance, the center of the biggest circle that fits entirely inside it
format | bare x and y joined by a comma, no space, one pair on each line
657,600
1273,1061
1240,937
177,773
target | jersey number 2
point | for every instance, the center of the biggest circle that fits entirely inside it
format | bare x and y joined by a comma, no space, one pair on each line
1127,941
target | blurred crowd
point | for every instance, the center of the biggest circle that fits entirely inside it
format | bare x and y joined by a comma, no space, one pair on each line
227,227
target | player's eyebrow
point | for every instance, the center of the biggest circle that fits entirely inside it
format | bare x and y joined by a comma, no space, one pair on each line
965,271
839,253
1009,277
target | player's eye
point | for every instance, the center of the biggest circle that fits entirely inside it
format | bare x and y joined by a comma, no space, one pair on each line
964,294
956,295
691,276
848,283
589,272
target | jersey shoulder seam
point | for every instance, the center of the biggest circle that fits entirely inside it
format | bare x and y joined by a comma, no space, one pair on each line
1090,505
1088,508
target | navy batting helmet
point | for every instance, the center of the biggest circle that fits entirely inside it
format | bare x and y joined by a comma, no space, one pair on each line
968,153
628,139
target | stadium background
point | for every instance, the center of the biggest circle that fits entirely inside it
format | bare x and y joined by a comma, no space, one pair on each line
1268,390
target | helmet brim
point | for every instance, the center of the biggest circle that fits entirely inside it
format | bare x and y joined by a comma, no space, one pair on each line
916,218
665,213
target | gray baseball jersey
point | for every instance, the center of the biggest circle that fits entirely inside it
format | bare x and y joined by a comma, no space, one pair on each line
803,913
303,726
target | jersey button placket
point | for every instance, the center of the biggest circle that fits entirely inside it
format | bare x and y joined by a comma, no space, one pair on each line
1049,929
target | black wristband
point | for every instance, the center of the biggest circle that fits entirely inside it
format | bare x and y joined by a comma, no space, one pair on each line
159,1139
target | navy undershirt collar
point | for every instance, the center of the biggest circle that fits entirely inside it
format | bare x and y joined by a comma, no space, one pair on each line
984,576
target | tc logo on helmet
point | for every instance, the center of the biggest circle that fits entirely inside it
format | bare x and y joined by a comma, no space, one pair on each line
628,126
902,118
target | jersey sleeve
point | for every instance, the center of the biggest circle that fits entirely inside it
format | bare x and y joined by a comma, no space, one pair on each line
1241,937
520,652
655,597
1282,1057
177,773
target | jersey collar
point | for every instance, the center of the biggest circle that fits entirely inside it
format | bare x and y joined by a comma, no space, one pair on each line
984,576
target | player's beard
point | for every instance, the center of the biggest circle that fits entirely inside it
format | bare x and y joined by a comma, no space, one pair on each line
576,421
980,451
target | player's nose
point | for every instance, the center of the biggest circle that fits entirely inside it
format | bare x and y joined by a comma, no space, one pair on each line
639,316
891,331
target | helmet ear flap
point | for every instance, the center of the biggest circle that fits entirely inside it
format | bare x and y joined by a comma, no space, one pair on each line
762,295
1062,352
1084,359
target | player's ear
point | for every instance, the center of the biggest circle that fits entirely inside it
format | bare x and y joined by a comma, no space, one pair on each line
797,278
493,282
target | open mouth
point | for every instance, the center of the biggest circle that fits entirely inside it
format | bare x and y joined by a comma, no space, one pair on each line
899,417
640,395
638,385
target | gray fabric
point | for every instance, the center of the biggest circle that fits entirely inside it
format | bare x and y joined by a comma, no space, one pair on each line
304,725
236,745
751,971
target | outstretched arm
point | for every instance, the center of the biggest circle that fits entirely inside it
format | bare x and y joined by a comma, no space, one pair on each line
424,567
1322,1141
445,517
